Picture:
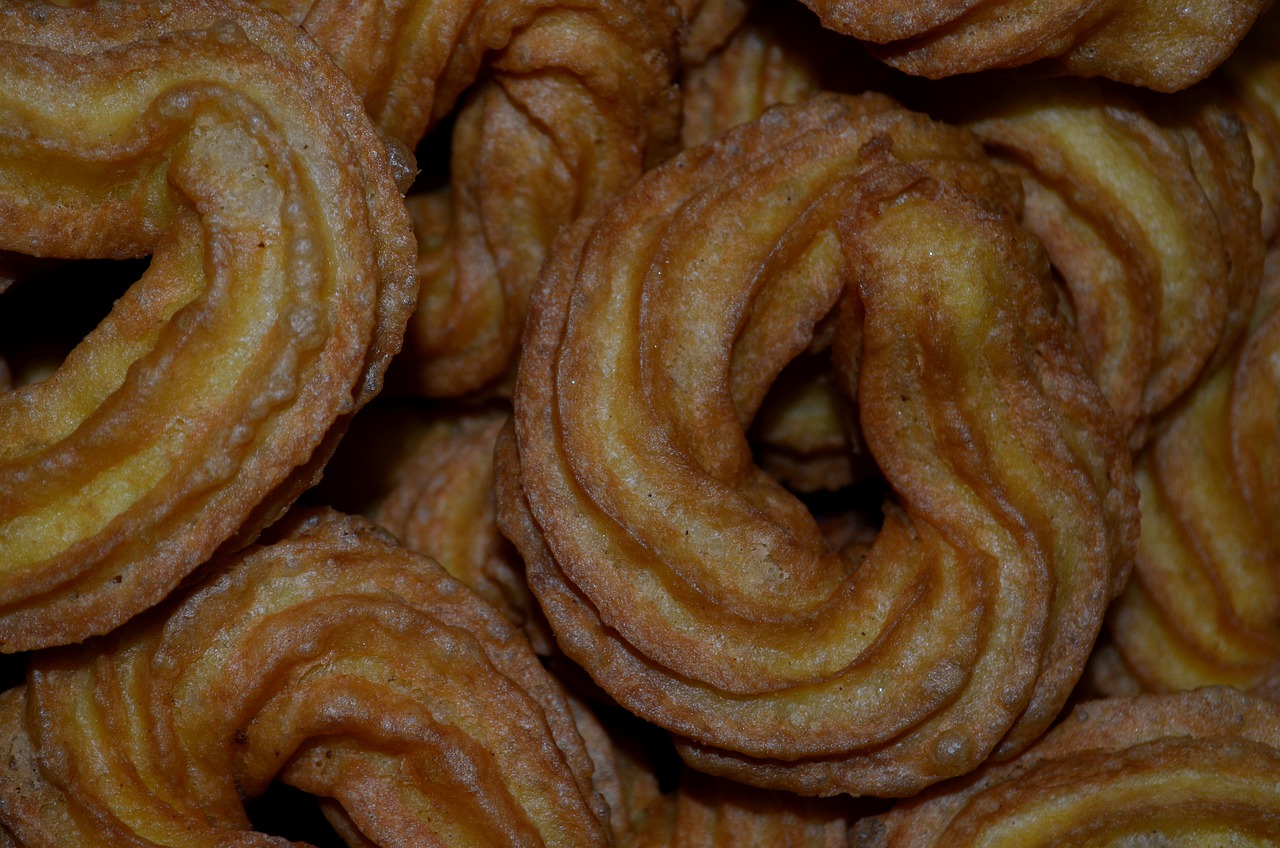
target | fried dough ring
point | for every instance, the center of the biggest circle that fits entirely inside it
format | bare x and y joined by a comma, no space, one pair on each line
333,660
1203,606
701,595
575,101
1196,768
1157,44
216,138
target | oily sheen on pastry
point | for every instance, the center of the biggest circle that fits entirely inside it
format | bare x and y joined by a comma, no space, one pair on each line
217,139
333,660
703,596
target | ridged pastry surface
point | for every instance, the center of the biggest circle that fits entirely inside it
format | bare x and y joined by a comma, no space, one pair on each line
555,107
1159,44
1191,768
215,138
333,660
703,596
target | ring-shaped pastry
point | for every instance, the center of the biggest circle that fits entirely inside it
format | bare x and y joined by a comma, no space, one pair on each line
220,141
702,595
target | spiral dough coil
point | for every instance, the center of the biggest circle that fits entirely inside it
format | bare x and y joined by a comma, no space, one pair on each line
697,591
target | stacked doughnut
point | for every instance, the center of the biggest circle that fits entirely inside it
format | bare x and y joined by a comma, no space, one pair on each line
774,421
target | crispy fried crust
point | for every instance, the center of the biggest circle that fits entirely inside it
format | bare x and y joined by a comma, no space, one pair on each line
216,138
442,506
706,811
575,100
1159,44
1147,209
1203,606
1193,768
699,593
333,660
758,67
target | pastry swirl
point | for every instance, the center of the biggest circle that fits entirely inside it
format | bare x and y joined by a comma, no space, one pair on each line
1157,44
1147,208
1192,768
1203,604
559,106
699,593
332,660
220,141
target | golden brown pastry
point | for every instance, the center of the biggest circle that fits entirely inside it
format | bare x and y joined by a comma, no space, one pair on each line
710,811
1146,207
1250,83
764,62
1203,604
1158,44
695,589
1143,203
575,101
656,803
1193,768
442,506
780,53
217,139
709,24
804,435
332,660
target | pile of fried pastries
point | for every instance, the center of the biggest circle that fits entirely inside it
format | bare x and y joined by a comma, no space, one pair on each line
639,423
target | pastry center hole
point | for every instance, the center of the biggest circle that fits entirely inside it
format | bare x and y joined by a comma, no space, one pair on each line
48,306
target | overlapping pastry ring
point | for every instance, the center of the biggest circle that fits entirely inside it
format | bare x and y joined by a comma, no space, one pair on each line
698,592
575,100
1147,210
1191,768
442,506
1203,605
219,139
331,659
1160,44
